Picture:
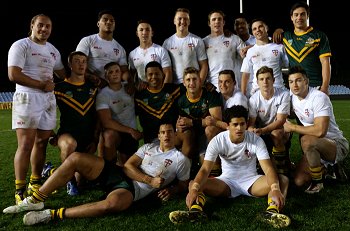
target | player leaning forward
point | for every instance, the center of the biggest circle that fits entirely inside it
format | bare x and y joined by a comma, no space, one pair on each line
238,150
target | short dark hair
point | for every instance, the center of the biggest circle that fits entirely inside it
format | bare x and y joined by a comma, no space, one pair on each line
298,5
167,122
297,69
74,53
190,70
102,12
236,111
153,64
143,21
184,10
241,15
264,69
228,72
216,11
258,20
108,65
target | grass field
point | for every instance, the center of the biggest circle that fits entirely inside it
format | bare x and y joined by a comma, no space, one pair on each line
328,210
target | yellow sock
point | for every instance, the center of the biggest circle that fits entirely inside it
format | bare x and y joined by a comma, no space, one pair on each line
201,202
35,179
39,196
20,185
272,206
57,214
316,173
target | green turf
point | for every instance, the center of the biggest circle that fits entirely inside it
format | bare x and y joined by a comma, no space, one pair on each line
328,210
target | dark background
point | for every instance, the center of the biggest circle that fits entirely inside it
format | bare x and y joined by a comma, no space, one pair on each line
72,20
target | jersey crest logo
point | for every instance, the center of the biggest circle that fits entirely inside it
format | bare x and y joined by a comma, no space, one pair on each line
275,52
116,51
167,162
247,153
153,57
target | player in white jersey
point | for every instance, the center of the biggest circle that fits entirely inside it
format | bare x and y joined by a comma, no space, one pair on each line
241,27
239,150
322,141
263,53
186,49
102,48
269,108
32,62
230,95
116,111
222,50
147,52
152,168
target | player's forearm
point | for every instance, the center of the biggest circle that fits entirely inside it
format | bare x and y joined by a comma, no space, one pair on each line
308,130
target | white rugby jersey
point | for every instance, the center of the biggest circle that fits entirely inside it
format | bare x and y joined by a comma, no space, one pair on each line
168,165
238,161
316,104
266,110
184,52
222,53
100,52
272,55
120,103
36,61
139,57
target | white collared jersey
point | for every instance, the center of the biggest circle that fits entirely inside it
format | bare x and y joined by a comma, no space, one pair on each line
100,52
184,52
265,111
120,104
316,104
272,55
237,98
222,53
169,165
139,57
36,61
238,161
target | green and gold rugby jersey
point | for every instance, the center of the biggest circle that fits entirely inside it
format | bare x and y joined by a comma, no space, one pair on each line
76,102
305,49
153,107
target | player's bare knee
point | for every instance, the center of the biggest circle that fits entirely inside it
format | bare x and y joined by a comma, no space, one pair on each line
118,202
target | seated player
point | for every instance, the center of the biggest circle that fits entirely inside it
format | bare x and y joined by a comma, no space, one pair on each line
238,150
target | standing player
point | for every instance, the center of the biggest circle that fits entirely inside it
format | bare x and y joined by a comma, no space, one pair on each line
241,27
102,48
263,53
185,48
147,52
223,51
307,47
32,62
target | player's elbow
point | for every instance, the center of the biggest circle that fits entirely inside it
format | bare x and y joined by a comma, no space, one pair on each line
321,134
